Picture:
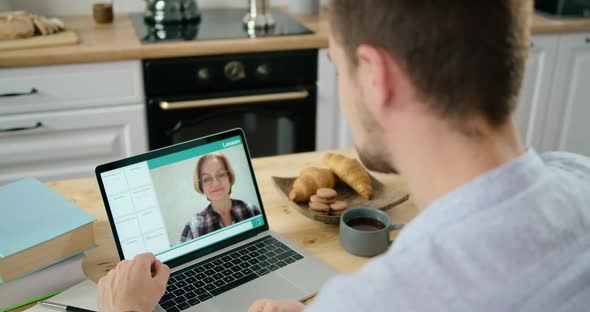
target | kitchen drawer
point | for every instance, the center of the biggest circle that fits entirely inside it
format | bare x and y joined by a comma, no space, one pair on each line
70,86
68,144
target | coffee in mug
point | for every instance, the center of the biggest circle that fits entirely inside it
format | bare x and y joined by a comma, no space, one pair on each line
365,231
365,224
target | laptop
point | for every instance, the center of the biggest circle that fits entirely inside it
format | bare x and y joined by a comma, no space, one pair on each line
155,203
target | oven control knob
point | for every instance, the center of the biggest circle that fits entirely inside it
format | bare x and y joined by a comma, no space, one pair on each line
263,70
203,74
234,71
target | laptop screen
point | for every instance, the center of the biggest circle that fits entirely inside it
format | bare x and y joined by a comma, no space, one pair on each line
184,201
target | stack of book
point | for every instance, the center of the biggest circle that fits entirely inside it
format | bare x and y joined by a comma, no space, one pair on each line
43,238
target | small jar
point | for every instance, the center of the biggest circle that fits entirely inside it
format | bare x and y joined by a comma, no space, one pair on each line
102,11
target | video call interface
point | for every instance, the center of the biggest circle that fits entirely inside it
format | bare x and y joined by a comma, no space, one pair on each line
162,206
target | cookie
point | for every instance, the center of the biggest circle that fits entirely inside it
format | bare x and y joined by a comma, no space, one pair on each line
319,207
338,205
317,199
326,193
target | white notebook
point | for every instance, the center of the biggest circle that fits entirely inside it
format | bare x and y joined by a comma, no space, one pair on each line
83,295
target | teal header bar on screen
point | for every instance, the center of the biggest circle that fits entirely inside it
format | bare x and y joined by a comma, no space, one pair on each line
194,152
257,221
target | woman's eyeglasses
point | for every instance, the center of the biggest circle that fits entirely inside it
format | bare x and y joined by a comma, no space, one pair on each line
220,176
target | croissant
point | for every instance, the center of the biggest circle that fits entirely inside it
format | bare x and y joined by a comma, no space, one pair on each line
309,181
351,172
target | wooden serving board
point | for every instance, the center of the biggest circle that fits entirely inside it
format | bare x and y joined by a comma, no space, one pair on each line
65,37
384,197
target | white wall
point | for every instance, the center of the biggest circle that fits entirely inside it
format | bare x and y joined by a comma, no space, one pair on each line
84,7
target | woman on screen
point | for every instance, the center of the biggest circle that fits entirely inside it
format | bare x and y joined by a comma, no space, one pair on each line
214,178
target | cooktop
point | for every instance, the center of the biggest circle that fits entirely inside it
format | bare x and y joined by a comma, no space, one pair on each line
215,24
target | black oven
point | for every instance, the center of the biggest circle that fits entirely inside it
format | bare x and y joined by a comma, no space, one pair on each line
272,96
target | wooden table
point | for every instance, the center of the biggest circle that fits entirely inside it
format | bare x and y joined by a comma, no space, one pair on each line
318,239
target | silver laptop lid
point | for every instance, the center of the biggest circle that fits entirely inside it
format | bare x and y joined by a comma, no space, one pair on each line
160,202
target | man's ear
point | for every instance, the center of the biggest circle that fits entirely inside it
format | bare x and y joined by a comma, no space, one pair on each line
376,69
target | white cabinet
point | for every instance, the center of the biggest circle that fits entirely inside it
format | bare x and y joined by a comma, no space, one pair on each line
332,128
68,144
534,97
70,86
553,111
80,116
568,117
327,103
554,107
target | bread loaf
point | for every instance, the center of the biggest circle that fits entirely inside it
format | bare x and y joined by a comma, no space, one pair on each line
16,27
18,24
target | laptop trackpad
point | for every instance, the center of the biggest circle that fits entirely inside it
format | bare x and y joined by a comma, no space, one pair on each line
271,286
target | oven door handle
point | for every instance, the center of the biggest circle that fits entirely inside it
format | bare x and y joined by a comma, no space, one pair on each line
235,100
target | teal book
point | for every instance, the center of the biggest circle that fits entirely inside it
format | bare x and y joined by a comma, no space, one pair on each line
31,214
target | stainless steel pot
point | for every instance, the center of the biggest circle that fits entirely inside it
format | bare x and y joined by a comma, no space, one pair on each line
171,11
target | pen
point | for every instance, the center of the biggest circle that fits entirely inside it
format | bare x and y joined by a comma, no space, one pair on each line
63,307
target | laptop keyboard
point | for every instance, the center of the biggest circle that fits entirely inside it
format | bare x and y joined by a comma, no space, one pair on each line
226,271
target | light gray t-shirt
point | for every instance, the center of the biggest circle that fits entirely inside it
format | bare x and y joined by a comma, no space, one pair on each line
514,239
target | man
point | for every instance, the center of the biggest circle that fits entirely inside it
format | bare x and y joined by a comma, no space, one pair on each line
429,88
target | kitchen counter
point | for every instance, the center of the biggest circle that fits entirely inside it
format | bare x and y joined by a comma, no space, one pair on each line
318,239
543,24
118,41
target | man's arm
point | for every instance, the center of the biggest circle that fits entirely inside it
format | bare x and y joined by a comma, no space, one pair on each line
135,285
267,305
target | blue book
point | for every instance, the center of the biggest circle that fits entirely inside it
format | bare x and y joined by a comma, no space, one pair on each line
31,214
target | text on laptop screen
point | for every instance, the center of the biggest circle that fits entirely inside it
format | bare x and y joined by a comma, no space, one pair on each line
181,202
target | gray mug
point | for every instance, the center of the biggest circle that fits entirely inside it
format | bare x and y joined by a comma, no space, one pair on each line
365,231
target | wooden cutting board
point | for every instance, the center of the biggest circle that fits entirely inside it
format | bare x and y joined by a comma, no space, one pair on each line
65,37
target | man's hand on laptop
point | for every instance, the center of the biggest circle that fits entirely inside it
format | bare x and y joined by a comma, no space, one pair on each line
267,305
135,285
